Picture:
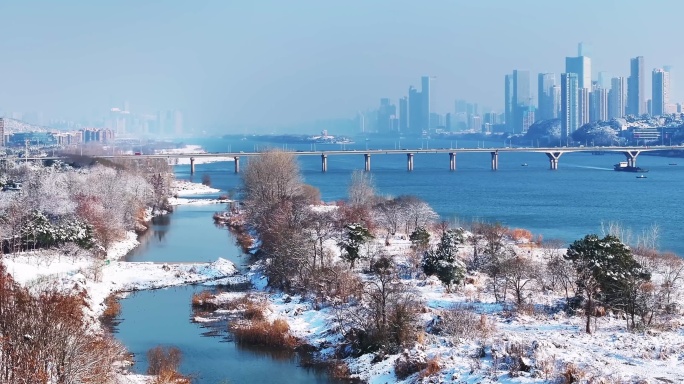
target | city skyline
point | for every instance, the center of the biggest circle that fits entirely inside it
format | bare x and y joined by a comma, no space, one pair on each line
228,63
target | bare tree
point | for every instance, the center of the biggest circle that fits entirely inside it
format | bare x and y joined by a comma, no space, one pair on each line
270,178
361,189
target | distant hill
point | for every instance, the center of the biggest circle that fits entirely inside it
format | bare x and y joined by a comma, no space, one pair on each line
18,126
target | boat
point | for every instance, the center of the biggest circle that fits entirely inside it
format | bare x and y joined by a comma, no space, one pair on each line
673,164
623,167
523,165
641,177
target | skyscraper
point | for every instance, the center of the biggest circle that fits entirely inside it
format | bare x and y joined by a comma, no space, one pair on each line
604,80
545,84
425,98
386,113
517,99
556,100
636,99
569,105
616,98
598,108
403,115
583,110
581,65
414,112
661,92
508,102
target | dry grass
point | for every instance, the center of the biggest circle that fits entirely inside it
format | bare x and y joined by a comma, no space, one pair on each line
432,368
112,308
171,377
262,333
202,301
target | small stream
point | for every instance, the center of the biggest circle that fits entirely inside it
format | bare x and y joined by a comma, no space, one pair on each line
164,317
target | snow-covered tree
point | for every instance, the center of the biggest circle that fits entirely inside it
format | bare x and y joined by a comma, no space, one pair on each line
354,237
605,270
443,262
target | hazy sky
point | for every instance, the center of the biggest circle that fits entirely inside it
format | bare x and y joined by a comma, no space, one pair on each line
231,63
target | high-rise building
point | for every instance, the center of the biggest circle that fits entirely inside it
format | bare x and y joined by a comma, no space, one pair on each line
598,108
582,49
556,101
415,114
425,98
518,98
581,65
461,106
403,115
447,121
604,80
569,105
508,102
617,98
583,101
545,84
386,113
636,99
661,92
2,131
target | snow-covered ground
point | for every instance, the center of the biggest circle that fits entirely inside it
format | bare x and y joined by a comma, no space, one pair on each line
187,188
552,342
72,269
192,149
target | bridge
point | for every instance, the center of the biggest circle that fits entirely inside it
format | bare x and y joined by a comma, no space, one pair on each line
552,153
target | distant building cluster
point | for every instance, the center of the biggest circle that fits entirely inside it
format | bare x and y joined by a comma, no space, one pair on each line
574,97
123,123
17,133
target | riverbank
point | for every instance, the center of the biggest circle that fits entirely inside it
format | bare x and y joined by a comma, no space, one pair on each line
76,271
501,342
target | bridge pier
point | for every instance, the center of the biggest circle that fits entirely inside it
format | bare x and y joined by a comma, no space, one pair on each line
553,159
324,162
631,157
237,164
452,161
495,160
192,165
367,162
409,161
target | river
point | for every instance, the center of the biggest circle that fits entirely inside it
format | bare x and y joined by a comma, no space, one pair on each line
565,204
163,317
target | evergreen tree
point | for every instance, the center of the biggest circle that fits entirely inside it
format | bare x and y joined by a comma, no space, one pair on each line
355,236
605,269
442,260
420,238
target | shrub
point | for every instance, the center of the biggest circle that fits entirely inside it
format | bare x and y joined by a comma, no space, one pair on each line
206,180
112,308
463,322
160,359
202,301
409,363
262,333
432,367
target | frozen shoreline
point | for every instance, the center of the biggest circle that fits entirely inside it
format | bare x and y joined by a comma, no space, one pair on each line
79,271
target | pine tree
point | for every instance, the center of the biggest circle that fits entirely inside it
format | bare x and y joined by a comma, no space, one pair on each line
605,268
442,260
355,236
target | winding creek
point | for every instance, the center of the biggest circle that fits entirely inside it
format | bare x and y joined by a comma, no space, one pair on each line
163,317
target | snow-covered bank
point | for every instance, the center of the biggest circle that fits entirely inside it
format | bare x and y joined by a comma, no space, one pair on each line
185,201
546,342
187,188
203,160
189,150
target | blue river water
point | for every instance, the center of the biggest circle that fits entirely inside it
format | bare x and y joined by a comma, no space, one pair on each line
565,204
163,317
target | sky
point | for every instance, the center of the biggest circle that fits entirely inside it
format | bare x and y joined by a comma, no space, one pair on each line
230,64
